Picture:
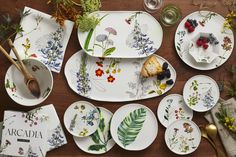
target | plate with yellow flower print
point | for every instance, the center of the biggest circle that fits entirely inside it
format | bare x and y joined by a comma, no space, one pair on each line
183,137
172,108
81,119
114,79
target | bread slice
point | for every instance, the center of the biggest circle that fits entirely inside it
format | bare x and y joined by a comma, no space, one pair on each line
151,67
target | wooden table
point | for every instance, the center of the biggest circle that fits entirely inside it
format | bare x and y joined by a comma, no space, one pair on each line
62,96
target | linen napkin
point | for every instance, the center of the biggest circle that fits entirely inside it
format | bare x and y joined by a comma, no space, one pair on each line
227,140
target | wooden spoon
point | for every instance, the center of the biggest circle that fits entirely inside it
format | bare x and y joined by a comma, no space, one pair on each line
211,130
30,80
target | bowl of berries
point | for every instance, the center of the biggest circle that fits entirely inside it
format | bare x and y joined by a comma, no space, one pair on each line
204,47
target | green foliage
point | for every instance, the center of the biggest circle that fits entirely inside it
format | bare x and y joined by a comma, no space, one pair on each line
86,22
90,5
130,127
108,51
232,88
96,147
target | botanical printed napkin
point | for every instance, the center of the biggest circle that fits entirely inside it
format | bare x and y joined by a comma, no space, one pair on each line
43,39
228,141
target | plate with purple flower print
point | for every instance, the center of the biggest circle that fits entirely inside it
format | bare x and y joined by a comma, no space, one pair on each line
171,108
182,137
81,119
201,93
122,34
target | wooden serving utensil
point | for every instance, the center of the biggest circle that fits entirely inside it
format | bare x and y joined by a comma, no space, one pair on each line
30,80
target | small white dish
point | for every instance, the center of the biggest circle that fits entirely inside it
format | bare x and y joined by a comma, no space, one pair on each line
81,119
101,141
172,108
201,93
134,127
183,137
17,89
200,54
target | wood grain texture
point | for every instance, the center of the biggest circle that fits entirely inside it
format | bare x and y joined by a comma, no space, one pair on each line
62,96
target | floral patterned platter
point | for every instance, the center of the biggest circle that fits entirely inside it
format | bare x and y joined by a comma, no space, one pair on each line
201,93
134,127
113,79
182,136
17,89
81,119
101,141
171,108
208,22
122,34
43,39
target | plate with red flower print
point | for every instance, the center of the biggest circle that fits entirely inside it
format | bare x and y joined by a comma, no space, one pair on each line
205,22
114,79
182,136
171,108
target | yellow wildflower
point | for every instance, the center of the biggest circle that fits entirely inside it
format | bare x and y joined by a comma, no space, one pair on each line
227,119
232,119
114,71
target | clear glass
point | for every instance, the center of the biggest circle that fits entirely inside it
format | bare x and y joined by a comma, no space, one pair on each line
170,15
152,5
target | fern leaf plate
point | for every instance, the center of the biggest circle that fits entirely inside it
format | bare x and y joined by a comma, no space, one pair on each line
134,127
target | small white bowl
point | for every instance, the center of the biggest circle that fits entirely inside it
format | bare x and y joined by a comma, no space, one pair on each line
200,54
17,89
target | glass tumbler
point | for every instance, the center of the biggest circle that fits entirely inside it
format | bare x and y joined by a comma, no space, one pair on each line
170,15
152,5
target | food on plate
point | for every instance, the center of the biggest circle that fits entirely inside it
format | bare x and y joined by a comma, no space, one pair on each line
190,25
151,67
169,82
205,41
165,72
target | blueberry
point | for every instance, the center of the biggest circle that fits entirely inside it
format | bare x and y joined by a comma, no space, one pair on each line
167,73
160,76
189,20
164,66
169,82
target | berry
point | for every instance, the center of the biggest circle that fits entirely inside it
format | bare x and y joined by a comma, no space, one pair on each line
204,40
187,24
169,82
167,73
161,76
205,46
199,42
191,29
164,66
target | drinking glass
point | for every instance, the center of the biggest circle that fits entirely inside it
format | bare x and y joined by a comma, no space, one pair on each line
152,5
170,15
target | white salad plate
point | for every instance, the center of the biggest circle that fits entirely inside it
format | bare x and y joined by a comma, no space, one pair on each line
201,93
183,136
134,127
172,108
122,34
81,119
113,80
101,141
208,22
43,39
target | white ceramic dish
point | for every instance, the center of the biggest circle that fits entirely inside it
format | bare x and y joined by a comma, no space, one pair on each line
207,22
122,34
172,108
134,127
43,39
101,141
183,137
17,89
114,80
201,93
81,119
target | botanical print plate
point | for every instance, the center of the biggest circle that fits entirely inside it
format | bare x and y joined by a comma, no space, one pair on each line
201,93
17,89
43,39
56,136
134,127
122,34
101,141
208,22
81,119
182,136
114,80
172,108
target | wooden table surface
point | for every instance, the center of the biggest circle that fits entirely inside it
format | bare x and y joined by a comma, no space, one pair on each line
62,96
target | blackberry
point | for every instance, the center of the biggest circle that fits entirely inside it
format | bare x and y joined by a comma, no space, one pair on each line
169,82
160,76
164,66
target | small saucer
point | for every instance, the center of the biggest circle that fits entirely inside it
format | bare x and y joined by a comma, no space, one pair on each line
81,119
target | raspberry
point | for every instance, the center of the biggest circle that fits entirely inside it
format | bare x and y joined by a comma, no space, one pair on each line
187,24
204,40
199,42
205,46
191,29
